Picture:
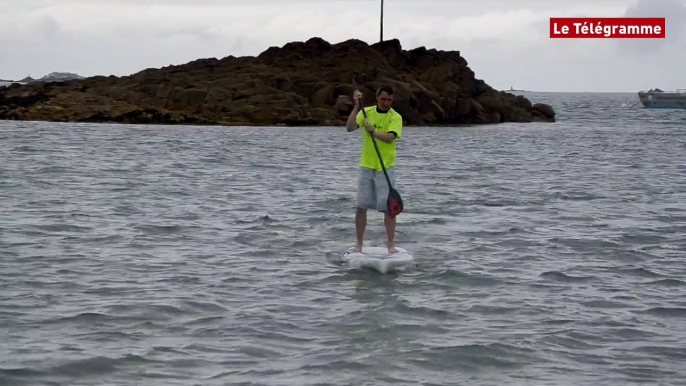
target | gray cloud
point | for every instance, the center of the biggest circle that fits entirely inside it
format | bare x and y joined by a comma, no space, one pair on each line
673,11
506,42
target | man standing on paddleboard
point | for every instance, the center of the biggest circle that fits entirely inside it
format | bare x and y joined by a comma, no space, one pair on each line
386,126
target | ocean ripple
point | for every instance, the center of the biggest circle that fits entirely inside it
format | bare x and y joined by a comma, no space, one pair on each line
548,254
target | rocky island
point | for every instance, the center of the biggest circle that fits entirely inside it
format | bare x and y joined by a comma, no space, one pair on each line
301,83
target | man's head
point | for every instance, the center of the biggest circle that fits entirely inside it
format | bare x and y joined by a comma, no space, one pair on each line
384,97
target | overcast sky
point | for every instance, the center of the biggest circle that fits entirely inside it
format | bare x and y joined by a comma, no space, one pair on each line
506,42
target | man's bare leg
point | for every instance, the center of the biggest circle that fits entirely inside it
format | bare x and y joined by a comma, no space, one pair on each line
360,226
390,232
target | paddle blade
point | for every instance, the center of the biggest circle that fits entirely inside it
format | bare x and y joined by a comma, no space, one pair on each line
394,203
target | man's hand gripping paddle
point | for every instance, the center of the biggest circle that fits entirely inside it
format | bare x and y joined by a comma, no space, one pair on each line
394,202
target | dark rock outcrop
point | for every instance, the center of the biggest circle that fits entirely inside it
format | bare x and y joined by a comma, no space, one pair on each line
301,83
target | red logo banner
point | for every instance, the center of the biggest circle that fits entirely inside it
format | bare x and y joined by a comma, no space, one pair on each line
608,28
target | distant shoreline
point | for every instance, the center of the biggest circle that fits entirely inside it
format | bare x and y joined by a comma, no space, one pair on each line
573,92
5,83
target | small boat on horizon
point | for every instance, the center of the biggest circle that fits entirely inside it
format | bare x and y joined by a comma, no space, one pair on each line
658,99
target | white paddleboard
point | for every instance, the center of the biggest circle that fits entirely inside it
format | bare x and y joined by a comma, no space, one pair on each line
378,258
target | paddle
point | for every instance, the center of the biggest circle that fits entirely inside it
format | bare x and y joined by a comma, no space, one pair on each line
394,202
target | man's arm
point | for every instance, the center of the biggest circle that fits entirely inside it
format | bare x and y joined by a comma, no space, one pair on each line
355,119
352,120
385,137
394,131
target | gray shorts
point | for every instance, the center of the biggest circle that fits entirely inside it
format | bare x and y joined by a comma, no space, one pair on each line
372,188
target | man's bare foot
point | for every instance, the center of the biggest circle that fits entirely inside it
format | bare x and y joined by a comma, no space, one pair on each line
391,249
356,248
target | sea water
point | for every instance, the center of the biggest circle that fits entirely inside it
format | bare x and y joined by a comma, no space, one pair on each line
549,254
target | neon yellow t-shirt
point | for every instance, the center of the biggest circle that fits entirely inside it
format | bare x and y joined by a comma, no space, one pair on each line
383,123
